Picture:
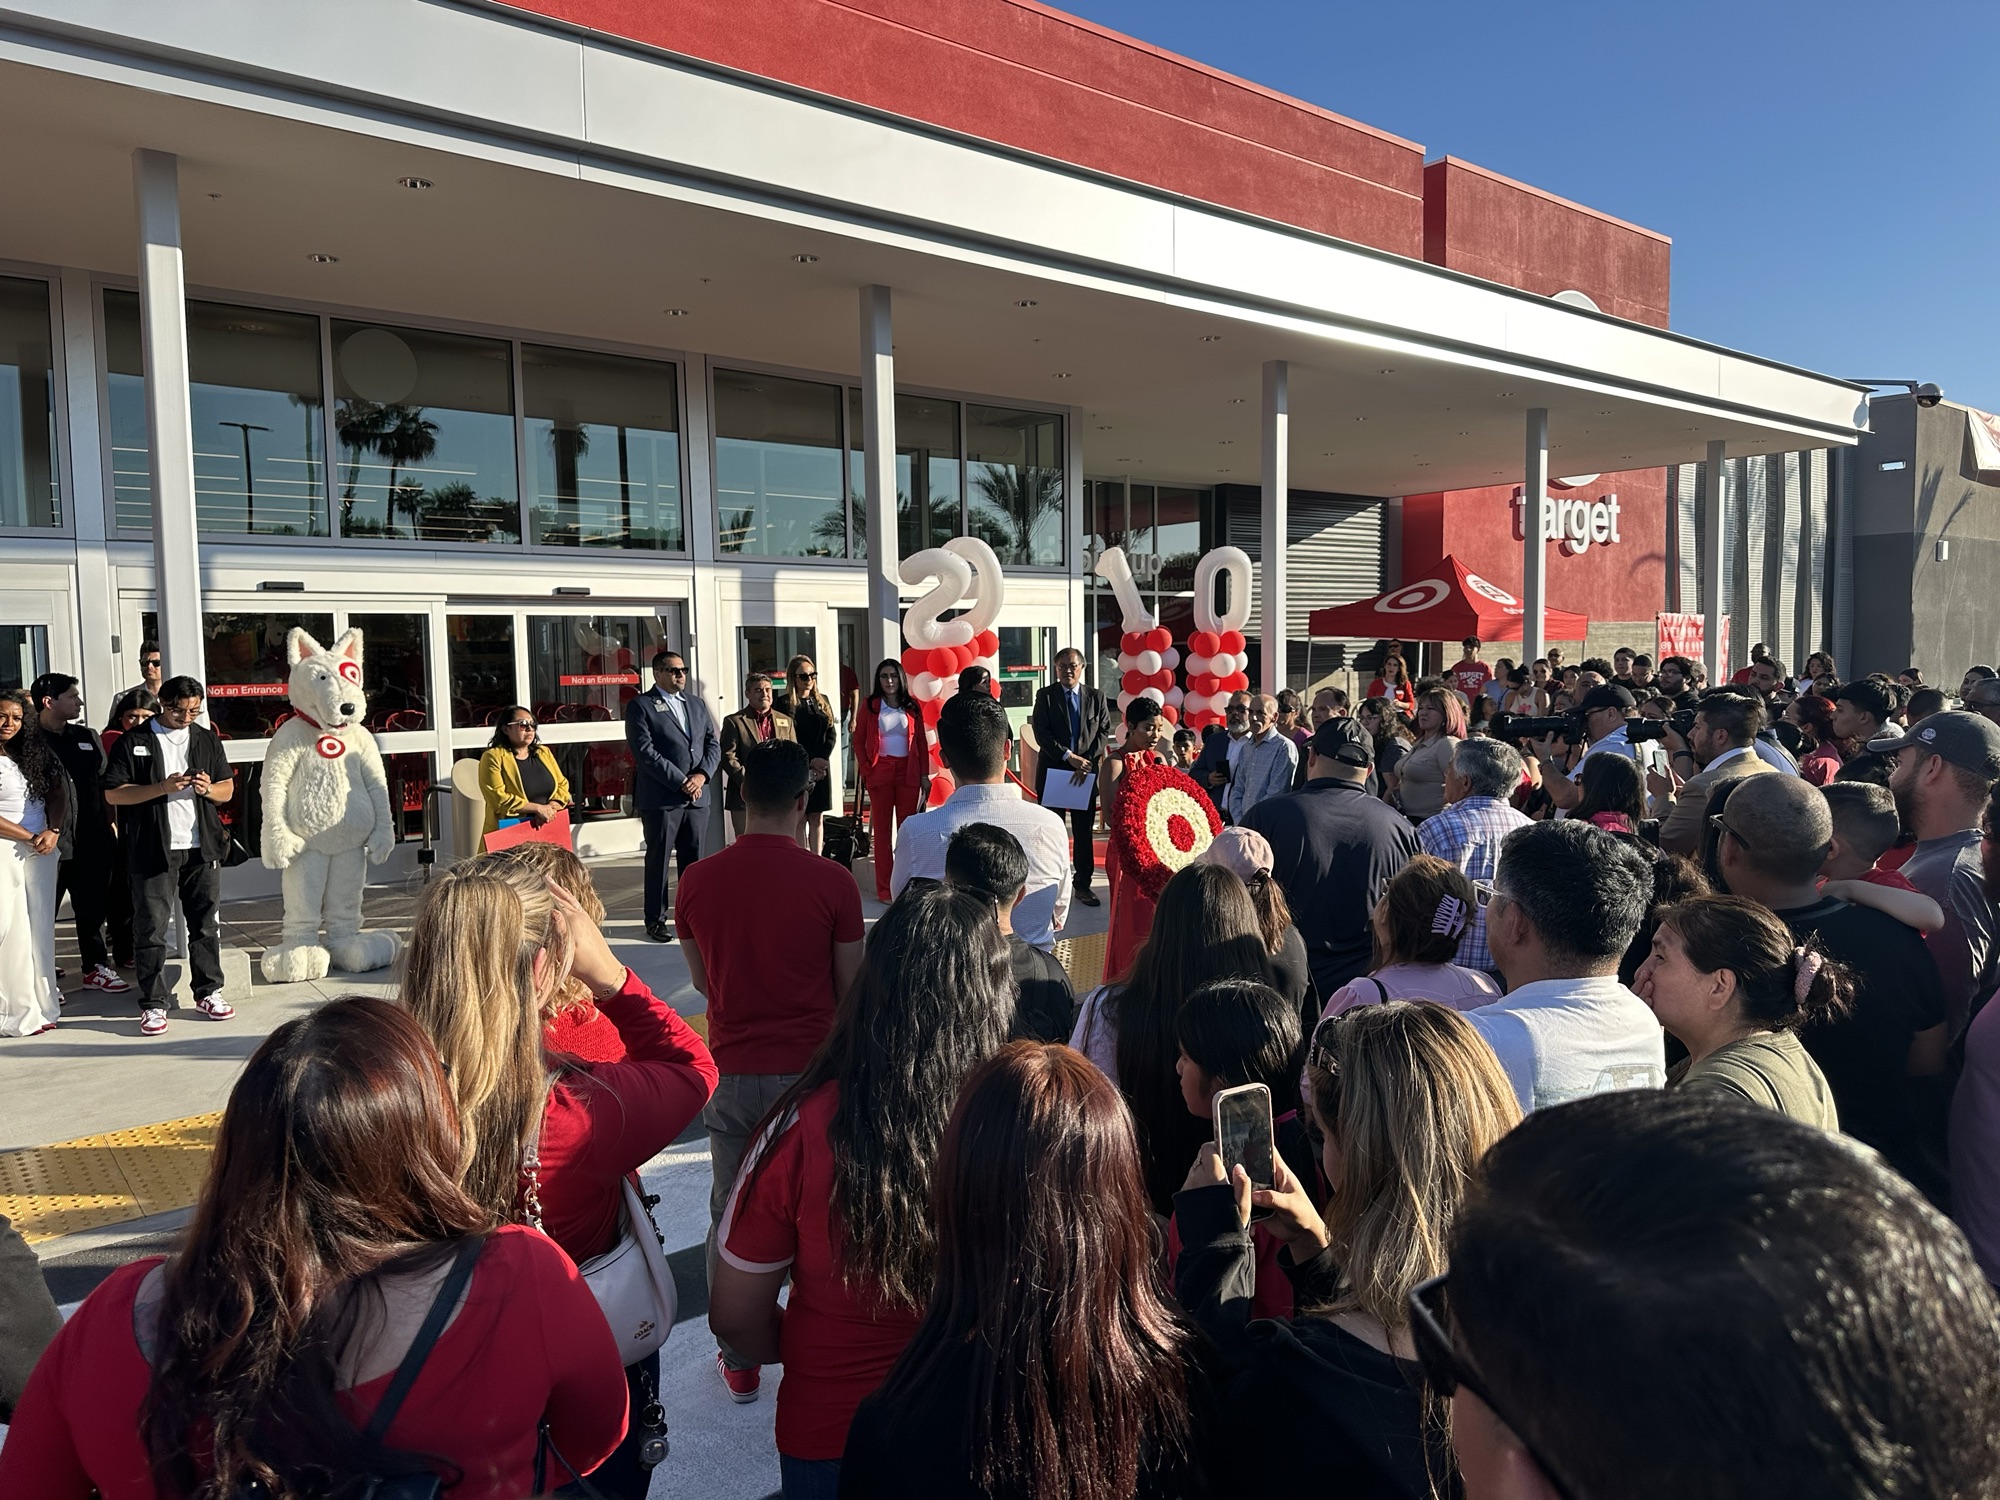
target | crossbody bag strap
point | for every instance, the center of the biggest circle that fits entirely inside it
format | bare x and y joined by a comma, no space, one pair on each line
1380,988
427,1336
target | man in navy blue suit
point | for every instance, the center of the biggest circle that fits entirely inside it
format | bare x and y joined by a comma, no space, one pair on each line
675,749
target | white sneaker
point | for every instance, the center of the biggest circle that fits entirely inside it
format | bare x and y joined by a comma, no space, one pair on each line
215,1007
105,978
152,1021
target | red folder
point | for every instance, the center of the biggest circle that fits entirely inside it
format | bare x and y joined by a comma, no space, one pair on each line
555,831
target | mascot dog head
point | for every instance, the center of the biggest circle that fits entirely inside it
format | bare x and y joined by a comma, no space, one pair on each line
326,684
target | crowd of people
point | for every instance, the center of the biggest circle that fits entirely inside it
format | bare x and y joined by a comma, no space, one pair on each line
1634,1126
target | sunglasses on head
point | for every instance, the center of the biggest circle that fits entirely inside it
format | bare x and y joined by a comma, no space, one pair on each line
1445,1370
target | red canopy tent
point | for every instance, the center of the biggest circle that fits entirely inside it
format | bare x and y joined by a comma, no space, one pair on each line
1449,604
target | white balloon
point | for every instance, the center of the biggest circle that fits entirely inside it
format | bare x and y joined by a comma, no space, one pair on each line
1196,665
1176,696
924,686
989,589
1124,700
1235,562
1147,662
1170,658
1154,693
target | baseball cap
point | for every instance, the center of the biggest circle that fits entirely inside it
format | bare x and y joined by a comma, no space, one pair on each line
1984,693
1606,695
1241,851
1344,740
1964,739
1866,696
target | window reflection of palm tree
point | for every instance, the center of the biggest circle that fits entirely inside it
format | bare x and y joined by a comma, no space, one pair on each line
1018,499
401,436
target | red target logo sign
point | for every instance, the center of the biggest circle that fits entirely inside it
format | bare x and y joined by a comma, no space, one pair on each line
350,671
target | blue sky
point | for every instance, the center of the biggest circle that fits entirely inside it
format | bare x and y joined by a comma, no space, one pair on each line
1829,170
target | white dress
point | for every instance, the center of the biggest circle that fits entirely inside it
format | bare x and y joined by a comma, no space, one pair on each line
29,1000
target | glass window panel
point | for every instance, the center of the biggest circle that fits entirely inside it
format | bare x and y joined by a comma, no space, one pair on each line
1139,540
479,663
395,670
770,649
426,429
244,654
584,669
1178,540
254,383
24,654
928,486
778,465
28,490
409,774
604,450
1016,480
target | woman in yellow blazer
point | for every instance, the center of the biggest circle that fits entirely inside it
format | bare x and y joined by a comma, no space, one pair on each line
518,774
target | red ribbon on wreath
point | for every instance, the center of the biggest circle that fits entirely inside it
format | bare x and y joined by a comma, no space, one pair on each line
1164,819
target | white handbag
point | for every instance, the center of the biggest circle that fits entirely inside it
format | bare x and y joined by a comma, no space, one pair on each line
632,1282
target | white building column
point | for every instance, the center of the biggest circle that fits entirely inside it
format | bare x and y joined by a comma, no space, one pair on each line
1276,469
878,441
1711,562
169,420
105,673
1534,550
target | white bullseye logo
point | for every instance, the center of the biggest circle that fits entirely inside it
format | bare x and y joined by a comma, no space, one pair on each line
1417,596
1492,591
331,746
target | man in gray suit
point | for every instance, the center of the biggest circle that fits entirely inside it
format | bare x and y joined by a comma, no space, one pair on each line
675,750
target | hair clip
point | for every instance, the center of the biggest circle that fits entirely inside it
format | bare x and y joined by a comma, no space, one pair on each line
1449,919
1807,965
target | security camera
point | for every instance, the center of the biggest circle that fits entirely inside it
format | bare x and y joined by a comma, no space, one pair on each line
1928,395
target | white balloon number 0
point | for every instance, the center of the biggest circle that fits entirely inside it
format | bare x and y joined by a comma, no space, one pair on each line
1218,663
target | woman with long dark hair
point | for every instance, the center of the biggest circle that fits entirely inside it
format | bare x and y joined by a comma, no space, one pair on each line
1420,778
892,755
1614,793
835,1191
133,708
1204,928
1822,754
253,1359
33,801
1077,1382
518,774
813,722
1407,1098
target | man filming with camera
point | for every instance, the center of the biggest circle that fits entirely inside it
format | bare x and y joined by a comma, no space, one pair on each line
1600,714
1720,746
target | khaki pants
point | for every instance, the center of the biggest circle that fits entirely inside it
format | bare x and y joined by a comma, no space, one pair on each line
731,1114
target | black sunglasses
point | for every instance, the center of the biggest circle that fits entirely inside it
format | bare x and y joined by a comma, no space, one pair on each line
674,671
520,723
1445,1371
1715,821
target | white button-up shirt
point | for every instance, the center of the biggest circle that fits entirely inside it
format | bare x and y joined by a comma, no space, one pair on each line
921,843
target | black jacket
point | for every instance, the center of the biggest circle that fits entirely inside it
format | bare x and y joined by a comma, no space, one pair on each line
1338,1418
1051,724
135,761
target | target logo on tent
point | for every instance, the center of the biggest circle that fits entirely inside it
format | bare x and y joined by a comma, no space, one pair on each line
1492,591
1418,596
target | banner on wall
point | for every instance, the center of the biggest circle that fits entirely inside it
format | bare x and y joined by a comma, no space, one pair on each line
1686,635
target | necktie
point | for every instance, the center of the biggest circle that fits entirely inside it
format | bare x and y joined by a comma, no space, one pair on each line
1075,719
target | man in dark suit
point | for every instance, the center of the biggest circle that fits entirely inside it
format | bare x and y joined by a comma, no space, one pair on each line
675,750
1073,723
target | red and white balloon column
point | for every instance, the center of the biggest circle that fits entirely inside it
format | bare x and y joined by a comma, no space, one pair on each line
1146,654
935,651
1217,662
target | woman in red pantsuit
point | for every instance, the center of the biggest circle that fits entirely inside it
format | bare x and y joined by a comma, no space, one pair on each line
892,751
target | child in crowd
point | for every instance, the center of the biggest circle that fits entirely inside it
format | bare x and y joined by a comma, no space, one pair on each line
1865,827
1187,745
1234,1032
1423,913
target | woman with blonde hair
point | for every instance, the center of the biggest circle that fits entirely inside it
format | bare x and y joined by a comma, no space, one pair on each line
814,724
1440,726
1407,1099
549,1138
574,1025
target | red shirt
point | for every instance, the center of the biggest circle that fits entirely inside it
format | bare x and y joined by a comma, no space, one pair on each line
584,1032
1895,880
764,915
607,1119
1403,693
1470,677
837,1344
528,1344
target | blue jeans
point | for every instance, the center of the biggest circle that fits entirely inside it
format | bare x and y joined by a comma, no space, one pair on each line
809,1478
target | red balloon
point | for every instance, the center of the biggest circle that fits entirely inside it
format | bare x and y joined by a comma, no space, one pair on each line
942,661
1232,641
1204,683
1132,642
1162,679
994,687
988,642
1204,643
1236,682
1135,682
915,659
1159,638
1171,714
930,708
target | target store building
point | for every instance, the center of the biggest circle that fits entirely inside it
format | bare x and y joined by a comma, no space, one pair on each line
530,337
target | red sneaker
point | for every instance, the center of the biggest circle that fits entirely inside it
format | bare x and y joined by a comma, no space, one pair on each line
742,1385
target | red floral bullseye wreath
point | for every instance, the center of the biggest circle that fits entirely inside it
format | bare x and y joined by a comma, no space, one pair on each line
1164,820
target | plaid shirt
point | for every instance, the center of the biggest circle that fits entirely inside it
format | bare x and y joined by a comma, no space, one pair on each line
1469,835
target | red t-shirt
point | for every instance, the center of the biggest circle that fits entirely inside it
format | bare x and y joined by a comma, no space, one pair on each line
837,1345
528,1344
607,1119
1403,693
764,915
1471,679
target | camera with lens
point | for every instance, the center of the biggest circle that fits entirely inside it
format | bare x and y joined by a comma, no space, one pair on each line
1644,731
1514,729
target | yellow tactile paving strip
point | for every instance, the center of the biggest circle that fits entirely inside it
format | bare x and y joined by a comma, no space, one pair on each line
1082,959
49,1191
105,1179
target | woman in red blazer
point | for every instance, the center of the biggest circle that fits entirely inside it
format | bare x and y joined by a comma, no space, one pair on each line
892,751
